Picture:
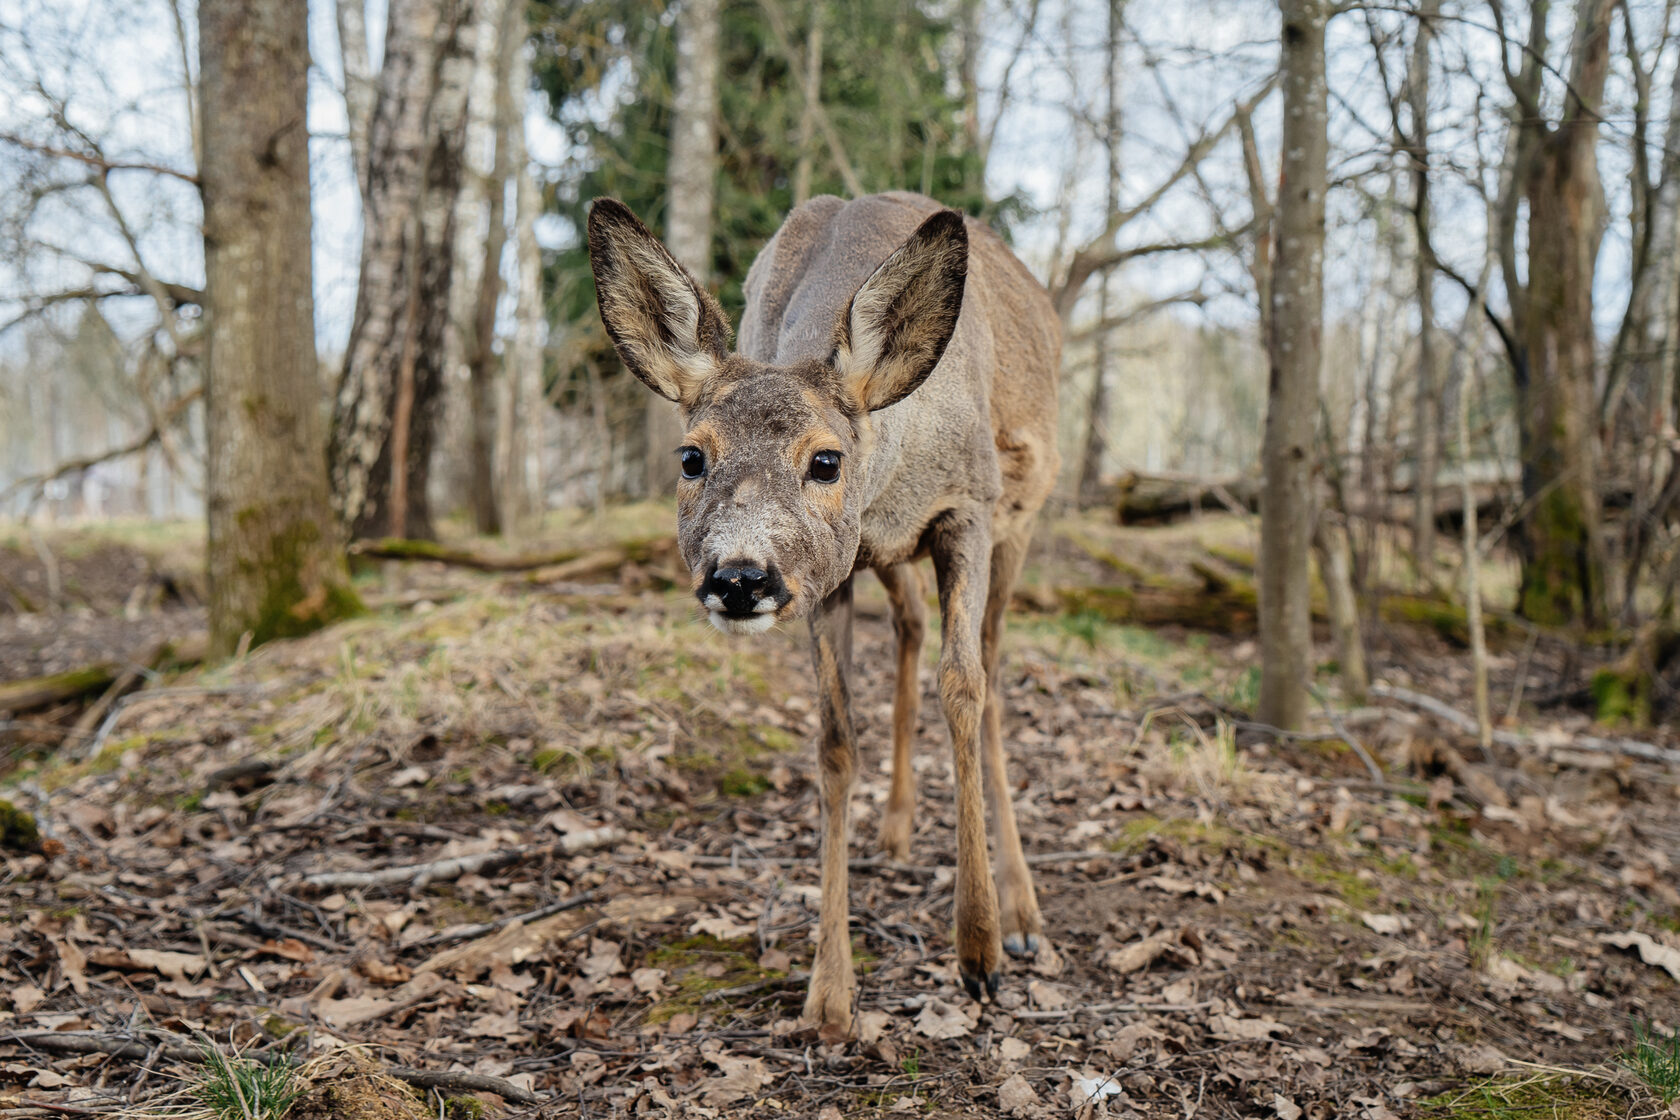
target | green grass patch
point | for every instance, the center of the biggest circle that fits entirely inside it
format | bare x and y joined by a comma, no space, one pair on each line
1655,1060
236,1088
1541,1097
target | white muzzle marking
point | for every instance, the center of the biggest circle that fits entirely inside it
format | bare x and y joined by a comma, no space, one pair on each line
755,624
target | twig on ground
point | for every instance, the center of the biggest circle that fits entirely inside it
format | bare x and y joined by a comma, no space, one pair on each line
467,933
445,870
1347,736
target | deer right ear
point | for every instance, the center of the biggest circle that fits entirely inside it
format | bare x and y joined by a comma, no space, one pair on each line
670,332
898,324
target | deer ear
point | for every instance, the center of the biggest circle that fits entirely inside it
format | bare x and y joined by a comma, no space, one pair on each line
670,332
896,328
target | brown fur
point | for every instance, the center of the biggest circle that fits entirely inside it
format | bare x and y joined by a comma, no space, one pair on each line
915,345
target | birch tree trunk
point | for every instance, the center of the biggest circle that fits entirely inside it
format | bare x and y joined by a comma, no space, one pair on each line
359,89
691,175
275,567
480,236
1294,349
519,443
385,413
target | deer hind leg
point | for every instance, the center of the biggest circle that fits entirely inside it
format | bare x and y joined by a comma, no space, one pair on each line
960,552
1017,900
909,616
828,1002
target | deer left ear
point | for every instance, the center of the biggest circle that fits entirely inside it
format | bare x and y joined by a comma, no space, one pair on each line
898,324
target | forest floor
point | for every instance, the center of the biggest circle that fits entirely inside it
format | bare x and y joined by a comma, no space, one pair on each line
1245,924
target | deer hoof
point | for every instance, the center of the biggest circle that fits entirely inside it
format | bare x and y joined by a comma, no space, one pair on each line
980,987
1021,944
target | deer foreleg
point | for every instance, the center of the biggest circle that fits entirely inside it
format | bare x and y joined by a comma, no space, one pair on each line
1017,901
828,1003
909,616
961,558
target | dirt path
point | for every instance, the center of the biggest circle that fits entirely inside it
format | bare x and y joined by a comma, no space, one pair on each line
1245,927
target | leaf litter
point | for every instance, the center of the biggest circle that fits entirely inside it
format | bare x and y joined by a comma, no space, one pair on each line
564,848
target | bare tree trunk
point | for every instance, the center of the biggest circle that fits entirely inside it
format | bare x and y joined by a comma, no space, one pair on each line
275,567
385,413
1563,562
480,237
1336,566
1096,421
360,92
808,108
1426,422
521,488
691,175
1294,349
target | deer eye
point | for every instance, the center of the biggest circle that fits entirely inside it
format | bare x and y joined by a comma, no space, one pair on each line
693,462
825,466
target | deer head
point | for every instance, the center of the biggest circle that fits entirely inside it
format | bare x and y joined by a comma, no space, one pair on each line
773,461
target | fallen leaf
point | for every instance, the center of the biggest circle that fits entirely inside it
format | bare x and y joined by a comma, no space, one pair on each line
1012,1049
1016,1096
942,1020
1138,956
1229,1028
742,1078
175,966
1046,997
722,927
1386,924
648,980
871,1025
1084,1090
26,998
1285,1108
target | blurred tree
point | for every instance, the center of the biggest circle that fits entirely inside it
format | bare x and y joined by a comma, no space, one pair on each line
1294,346
275,567
384,418
889,115
692,176
1096,430
1554,177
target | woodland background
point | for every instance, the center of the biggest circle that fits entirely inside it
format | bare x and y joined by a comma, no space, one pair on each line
335,541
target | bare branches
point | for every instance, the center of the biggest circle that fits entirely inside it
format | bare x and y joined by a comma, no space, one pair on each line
156,433
92,157
796,67
1102,253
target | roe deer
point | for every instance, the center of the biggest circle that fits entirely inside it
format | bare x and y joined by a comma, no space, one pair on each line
875,413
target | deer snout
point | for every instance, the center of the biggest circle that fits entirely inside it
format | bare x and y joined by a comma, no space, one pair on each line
743,588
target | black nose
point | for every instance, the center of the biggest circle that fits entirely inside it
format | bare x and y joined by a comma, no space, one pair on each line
741,587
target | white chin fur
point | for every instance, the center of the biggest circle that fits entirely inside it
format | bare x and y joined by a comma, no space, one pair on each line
757,624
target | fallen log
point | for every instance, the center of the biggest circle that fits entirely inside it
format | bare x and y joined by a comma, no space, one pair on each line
1153,499
73,684
1445,712
398,548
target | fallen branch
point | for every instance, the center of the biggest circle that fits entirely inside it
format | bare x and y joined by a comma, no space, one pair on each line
445,870
79,1042
1096,1008
467,933
1631,747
